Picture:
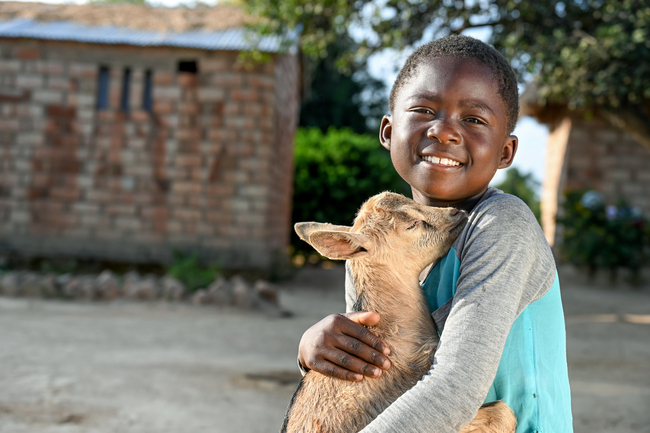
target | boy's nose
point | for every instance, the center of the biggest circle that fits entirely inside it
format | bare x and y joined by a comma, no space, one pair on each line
443,132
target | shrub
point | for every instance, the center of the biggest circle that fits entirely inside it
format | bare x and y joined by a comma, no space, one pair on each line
188,269
335,173
597,236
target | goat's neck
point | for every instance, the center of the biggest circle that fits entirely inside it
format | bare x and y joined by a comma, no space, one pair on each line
396,296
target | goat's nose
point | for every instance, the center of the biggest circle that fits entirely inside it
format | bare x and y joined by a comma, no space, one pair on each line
454,212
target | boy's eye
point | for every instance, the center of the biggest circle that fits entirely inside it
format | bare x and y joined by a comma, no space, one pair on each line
424,111
475,121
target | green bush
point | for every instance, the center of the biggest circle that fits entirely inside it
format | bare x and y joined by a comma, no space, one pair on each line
335,173
596,236
188,269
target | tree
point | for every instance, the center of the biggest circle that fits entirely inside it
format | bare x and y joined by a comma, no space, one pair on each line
590,55
339,168
338,98
524,186
135,2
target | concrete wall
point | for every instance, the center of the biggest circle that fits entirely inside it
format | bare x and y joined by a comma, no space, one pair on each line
209,169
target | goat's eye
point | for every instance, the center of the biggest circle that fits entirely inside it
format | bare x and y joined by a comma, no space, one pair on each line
412,226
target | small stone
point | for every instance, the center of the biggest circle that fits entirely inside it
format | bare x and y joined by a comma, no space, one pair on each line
87,288
130,286
172,289
199,297
108,287
70,287
220,292
48,286
59,282
243,295
30,285
266,291
9,284
147,289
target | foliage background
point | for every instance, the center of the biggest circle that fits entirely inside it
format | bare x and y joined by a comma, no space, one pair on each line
596,236
582,54
335,172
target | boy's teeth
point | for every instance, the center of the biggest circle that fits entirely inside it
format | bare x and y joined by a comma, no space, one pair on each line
442,161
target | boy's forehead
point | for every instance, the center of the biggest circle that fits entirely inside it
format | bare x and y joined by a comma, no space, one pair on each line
437,71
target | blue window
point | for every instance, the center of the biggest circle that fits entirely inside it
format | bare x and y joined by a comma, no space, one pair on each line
103,82
126,89
147,102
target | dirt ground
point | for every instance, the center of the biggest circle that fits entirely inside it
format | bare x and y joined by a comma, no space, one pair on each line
69,367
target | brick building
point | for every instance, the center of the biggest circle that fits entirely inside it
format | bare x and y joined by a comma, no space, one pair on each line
588,155
128,132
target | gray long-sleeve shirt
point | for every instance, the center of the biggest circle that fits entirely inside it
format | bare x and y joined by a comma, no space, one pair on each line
499,265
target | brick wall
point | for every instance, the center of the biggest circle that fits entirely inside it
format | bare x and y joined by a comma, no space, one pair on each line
209,169
594,155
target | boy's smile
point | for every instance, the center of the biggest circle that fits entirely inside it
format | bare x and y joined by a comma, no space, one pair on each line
448,132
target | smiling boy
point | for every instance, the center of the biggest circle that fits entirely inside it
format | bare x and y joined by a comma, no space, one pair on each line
495,297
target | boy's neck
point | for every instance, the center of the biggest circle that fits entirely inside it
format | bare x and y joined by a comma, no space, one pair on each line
466,204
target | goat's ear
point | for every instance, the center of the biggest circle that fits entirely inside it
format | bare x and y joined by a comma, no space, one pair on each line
337,245
305,229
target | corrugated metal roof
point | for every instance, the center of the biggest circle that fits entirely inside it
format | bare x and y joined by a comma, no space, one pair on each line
235,39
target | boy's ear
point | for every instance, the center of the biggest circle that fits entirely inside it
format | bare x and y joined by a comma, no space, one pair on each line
385,131
509,151
338,245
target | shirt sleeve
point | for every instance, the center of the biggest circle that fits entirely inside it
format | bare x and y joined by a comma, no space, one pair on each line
505,264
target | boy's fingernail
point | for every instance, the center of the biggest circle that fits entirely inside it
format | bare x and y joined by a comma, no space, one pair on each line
376,372
358,376
386,364
386,350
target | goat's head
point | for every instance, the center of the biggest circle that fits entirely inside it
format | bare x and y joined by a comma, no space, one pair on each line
389,229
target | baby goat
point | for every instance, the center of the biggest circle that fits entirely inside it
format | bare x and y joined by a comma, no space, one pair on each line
392,240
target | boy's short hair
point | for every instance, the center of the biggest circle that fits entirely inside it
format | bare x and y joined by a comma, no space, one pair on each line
467,47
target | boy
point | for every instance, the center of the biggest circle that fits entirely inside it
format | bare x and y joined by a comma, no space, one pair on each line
495,297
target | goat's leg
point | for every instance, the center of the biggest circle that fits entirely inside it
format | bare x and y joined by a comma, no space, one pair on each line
495,417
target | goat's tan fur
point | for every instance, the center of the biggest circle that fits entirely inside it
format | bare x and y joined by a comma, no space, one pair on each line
392,240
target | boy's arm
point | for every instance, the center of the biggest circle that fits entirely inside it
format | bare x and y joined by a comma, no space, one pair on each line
506,264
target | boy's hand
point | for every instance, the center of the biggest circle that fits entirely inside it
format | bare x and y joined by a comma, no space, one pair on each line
340,346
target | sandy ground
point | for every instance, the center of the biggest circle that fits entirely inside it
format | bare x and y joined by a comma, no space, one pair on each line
174,368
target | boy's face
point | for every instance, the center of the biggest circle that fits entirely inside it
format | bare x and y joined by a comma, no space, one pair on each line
448,132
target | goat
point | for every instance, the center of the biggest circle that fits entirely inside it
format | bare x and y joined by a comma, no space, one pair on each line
392,240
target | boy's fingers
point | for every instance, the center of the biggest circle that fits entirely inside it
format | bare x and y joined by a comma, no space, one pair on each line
363,352
350,363
332,370
345,366
341,346
364,318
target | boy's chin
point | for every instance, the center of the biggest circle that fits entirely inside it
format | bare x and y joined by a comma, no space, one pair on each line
445,198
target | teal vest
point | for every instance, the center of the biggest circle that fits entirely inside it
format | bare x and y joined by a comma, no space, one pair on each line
532,377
